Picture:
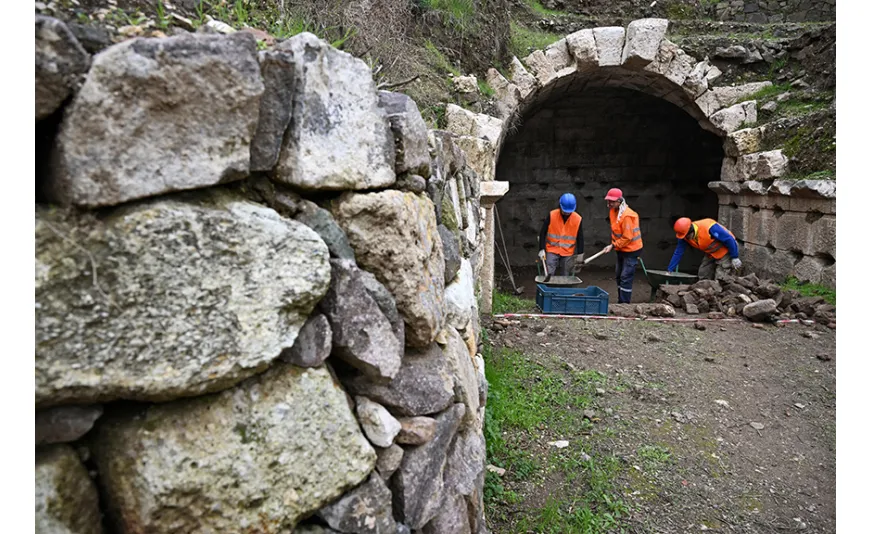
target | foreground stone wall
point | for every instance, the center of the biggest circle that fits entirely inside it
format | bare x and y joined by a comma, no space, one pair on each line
255,295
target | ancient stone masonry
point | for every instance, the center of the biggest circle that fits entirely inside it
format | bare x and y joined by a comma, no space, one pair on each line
256,294
626,107
772,11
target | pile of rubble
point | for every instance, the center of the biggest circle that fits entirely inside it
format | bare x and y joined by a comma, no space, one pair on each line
757,300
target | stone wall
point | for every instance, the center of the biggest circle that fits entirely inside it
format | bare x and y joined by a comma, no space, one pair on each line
588,142
255,295
773,11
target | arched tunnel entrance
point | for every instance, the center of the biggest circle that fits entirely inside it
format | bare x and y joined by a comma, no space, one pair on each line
586,142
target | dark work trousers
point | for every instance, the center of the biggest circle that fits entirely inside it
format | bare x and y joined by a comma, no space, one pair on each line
626,263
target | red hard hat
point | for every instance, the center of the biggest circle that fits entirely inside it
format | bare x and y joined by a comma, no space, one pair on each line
681,227
614,194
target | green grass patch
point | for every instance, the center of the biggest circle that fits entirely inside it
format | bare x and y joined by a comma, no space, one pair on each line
766,93
539,9
807,289
485,89
654,457
457,13
526,40
439,60
507,303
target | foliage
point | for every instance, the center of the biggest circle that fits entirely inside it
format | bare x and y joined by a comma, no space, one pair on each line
525,40
507,303
440,60
811,290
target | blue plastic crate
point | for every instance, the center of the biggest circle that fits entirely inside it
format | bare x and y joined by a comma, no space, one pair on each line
590,300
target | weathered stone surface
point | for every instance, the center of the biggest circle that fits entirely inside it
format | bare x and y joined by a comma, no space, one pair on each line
741,53
340,137
411,183
389,460
276,108
540,65
168,298
385,302
128,133
409,132
809,269
759,311
65,423
261,456
636,310
361,334
314,529
60,61
826,189
522,78
480,155
755,166
717,98
464,375
743,142
418,485
581,45
464,122
609,42
507,93
696,83
465,462
465,84
672,63
395,237
452,258
366,509
736,116
416,430
451,517
459,297
380,427
559,55
423,385
642,40
66,497
312,345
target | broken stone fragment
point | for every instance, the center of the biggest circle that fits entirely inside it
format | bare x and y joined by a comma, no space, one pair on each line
416,430
366,509
380,427
60,62
312,345
65,423
66,497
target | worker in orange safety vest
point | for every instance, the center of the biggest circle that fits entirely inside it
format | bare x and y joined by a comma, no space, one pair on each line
561,238
711,238
625,238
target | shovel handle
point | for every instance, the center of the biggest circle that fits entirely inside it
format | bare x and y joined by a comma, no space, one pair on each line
587,260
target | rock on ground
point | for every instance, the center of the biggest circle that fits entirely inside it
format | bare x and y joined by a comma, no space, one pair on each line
366,509
339,137
66,497
361,334
63,424
168,298
60,62
760,311
258,457
395,237
377,423
422,386
159,115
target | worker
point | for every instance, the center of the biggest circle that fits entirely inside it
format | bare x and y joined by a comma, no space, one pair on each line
712,239
625,238
561,238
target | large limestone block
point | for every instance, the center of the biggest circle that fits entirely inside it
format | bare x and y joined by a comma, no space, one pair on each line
711,101
423,386
507,93
256,458
159,115
418,485
672,63
480,156
736,116
66,497
823,236
541,66
340,137
581,45
464,122
755,166
168,298
459,297
642,40
395,237
522,78
609,42
792,232
743,142
60,61
409,132
559,56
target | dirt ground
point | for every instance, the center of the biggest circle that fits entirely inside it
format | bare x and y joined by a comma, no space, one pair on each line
728,429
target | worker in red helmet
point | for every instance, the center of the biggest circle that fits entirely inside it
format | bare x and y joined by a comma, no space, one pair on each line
625,238
712,239
561,238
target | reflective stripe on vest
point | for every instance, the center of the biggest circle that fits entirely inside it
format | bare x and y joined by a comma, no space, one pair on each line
706,243
635,243
562,235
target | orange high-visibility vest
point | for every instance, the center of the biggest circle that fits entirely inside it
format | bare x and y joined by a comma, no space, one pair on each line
625,235
562,235
706,243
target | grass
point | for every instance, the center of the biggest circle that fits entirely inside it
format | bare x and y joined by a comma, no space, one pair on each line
507,303
439,60
811,290
766,93
526,40
542,11
654,457
457,13
527,398
485,89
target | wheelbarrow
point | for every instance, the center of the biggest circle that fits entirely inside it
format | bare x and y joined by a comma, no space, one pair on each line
657,279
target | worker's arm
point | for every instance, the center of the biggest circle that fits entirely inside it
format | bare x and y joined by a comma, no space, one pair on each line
578,247
720,234
678,255
542,237
627,234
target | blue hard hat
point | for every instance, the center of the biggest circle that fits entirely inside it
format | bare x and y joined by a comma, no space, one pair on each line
568,203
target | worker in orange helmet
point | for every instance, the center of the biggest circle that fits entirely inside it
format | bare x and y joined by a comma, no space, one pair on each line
561,238
712,239
625,238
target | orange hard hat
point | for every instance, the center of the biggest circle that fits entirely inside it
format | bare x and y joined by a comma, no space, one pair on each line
614,194
681,227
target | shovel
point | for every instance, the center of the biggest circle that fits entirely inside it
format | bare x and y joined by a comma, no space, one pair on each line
590,258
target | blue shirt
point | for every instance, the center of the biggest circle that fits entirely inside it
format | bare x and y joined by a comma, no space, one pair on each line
716,232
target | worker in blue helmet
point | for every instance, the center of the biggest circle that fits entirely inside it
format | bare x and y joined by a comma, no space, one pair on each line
560,242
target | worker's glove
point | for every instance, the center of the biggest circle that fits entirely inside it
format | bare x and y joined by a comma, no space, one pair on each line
542,255
737,263
578,264
608,248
